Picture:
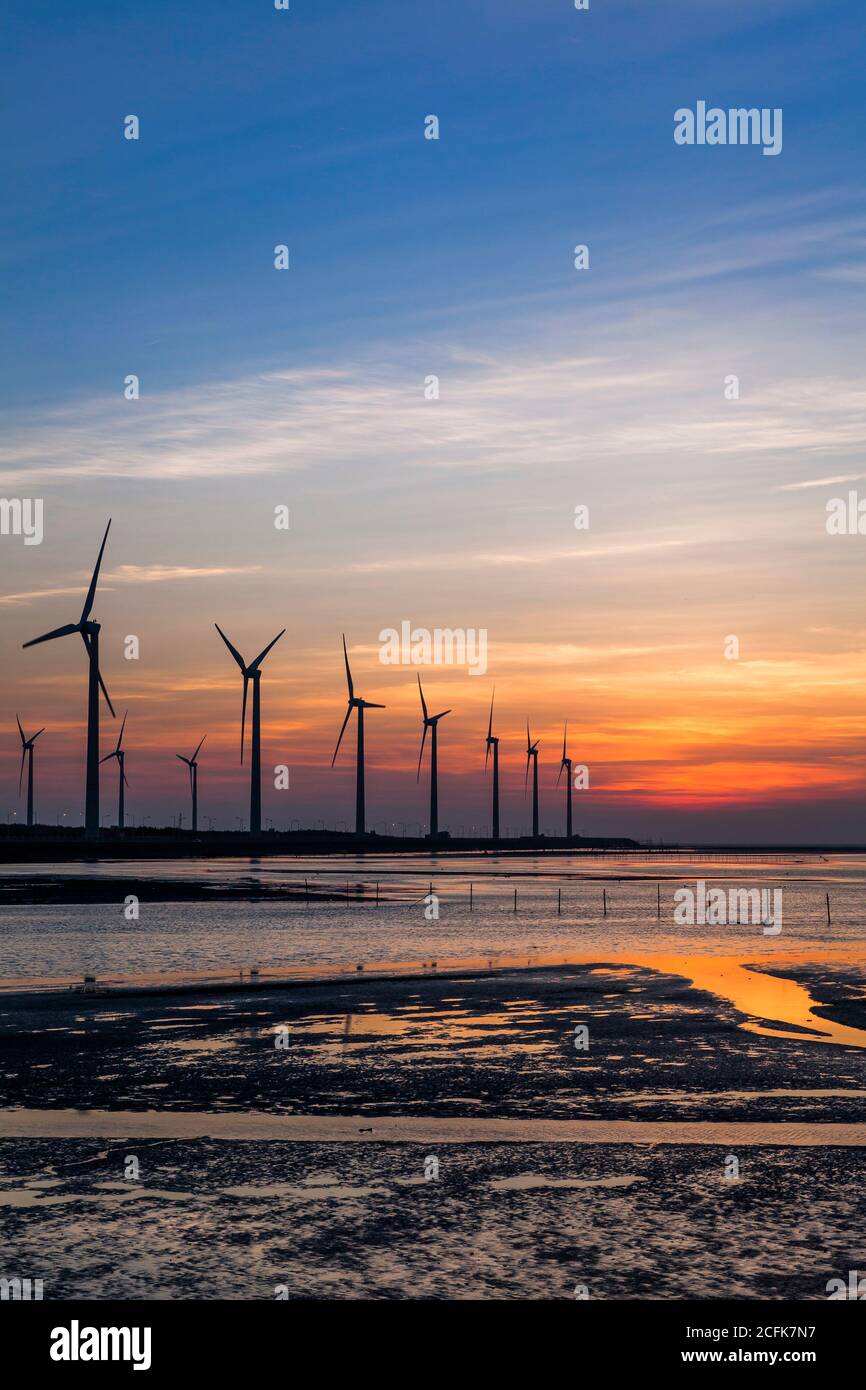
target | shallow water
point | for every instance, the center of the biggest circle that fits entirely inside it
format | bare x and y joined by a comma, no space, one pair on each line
250,1126
68,942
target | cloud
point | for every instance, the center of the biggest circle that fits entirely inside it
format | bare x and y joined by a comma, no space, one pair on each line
822,482
651,391
134,574
159,574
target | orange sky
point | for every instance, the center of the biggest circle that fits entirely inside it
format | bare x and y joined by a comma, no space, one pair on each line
707,520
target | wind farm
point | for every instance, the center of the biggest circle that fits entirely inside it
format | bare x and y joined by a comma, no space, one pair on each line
510,828
383,369
250,753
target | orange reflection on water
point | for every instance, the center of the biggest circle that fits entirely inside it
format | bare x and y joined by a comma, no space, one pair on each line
753,993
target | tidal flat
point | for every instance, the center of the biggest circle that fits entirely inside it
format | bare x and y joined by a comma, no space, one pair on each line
440,1135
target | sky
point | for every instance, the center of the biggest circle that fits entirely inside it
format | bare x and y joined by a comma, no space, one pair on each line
559,388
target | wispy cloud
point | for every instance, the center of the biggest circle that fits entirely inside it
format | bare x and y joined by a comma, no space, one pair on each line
134,574
821,482
499,415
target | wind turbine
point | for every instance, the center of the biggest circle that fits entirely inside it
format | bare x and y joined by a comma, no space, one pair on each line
27,747
565,764
493,742
122,782
252,673
430,722
192,764
355,702
532,755
89,631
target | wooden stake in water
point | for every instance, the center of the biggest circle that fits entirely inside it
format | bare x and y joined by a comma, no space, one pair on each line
829,922
604,899
306,891
658,900
377,895
515,900
559,903
470,897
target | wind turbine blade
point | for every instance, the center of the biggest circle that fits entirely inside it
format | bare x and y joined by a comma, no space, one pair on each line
105,693
65,631
487,754
120,735
234,651
421,754
564,736
528,740
348,671
342,731
526,778
442,715
91,592
254,665
559,777
423,701
86,640
183,759
125,778
38,732
107,758
490,720
20,730
21,773
198,750
244,713
368,704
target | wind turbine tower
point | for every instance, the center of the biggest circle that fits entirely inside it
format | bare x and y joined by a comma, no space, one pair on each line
532,756
89,631
252,672
119,754
192,764
493,742
565,766
431,722
27,753
356,703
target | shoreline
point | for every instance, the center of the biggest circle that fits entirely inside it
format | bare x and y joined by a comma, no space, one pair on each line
23,847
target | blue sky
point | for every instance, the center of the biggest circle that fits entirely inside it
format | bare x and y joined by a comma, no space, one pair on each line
304,126
452,257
